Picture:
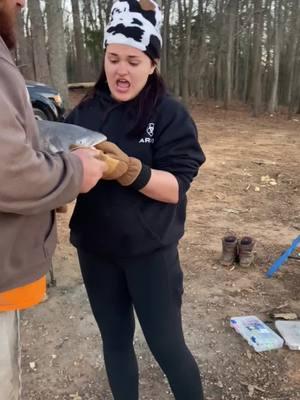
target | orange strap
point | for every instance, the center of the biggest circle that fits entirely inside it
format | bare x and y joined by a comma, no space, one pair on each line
23,297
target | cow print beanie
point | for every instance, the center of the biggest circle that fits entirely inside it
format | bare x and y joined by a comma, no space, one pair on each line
135,23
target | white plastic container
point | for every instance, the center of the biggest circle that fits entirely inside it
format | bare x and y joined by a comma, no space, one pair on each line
290,331
257,334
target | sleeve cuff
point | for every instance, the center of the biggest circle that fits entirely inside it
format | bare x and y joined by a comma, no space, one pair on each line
142,179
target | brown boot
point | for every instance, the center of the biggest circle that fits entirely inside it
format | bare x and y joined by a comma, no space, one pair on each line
246,255
229,250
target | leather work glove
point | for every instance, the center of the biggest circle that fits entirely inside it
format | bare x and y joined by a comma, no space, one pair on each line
133,171
135,175
116,160
116,166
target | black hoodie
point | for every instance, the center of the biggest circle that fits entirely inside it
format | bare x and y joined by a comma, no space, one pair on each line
120,221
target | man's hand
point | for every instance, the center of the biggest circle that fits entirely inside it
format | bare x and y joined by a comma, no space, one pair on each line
93,168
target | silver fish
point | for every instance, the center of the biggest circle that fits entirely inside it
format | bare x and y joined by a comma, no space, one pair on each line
57,136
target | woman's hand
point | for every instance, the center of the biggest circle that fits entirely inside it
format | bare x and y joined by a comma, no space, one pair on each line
120,167
156,184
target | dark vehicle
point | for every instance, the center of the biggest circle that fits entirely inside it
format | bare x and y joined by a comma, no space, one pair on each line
46,101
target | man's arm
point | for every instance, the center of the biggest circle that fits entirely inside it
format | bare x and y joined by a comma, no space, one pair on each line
32,181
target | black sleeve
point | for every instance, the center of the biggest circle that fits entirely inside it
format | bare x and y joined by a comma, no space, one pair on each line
72,117
176,147
84,115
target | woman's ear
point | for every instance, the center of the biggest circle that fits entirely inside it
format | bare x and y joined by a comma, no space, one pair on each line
154,64
153,68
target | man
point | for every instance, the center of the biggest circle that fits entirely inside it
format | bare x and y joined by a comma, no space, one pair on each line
32,183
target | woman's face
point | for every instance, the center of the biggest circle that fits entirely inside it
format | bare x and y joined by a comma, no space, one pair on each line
127,70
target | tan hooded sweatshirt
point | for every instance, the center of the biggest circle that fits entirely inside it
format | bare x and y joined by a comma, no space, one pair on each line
32,183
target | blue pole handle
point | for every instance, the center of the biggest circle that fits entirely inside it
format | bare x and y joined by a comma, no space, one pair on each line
278,263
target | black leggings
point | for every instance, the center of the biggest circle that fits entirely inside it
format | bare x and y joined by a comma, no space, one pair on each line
153,285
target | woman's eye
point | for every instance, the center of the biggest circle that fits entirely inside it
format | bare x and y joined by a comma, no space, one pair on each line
113,61
134,63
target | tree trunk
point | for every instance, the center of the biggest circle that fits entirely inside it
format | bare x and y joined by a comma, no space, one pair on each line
200,52
109,4
236,86
294,39
219,51
24,56
231,7
165,38
297,94
256,69
273,103
267,73
187,49
80,52
246,58
181,44
101,19
40,59
92,39
57,53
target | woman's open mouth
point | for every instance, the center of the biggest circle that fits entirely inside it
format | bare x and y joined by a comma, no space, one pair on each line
122,85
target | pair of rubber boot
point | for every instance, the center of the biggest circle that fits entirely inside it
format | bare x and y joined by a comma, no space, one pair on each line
234,250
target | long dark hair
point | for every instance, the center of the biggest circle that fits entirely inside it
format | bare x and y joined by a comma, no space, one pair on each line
142,105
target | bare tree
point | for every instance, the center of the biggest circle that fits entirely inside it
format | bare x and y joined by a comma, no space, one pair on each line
294,40
180,54
273,104
230,10
236,66
186,53
79,43
220,48
256,69
40,58
165,37
24,49
57,52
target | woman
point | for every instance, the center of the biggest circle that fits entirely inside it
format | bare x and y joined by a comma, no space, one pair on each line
127,229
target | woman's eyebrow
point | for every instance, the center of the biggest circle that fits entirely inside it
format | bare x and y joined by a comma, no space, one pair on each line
129,56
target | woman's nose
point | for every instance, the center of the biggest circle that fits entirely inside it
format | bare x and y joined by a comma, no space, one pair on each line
122,68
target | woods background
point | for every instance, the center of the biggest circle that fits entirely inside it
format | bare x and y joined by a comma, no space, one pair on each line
227,50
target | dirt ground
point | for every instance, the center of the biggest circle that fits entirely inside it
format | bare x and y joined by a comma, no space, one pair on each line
62,356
